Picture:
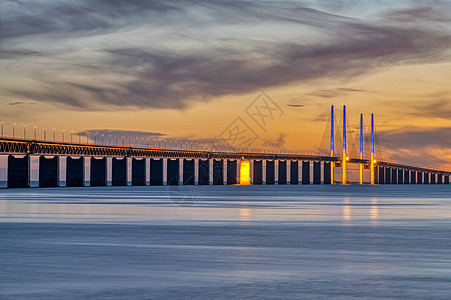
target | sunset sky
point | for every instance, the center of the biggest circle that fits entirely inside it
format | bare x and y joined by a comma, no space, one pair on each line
187,69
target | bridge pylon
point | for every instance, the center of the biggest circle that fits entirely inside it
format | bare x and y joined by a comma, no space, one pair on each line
345,156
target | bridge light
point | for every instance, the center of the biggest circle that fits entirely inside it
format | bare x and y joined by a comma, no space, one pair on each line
347,158
374,161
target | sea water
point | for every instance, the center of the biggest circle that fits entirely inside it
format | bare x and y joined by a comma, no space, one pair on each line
226,242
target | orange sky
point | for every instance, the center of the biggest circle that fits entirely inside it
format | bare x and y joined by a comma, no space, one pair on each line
188,72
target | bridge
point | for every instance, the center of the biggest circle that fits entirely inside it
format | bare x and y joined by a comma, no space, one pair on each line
41,163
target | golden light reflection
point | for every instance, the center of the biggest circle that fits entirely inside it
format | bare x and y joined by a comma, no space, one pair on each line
245,214
347,210
374,212
245,177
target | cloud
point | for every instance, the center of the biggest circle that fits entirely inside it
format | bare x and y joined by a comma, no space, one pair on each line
438,108
159,54
20,103
296,105
414,138
275,143
337,92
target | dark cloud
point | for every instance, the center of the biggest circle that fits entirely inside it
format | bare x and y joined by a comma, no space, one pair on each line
20,103
167,77
440,108
332,93
415,138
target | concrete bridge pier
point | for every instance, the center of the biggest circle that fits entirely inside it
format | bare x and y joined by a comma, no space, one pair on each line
48,171
210,171
117,171
316,172
224,172
420,177
252,172
196,171
33,170
400,176
129,166
433,178
276,171
446,179
294,172
327,173
426,178
305,172
439,178
406,176
181,169
165,171
109,171
231,172
87,171
281,172
188,176
413,177
381,172
388,175
3,171
238,171
156,171
172,171
257,173
138,171
62,171
147,171
264,171
289,171
270,177
218,172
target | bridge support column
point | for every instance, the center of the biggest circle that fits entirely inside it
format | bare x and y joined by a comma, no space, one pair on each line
413,177
306,172
33,170
381,172
426,177
433,178
446,179
299,171
276,171
165,171
210,171
406,176
238,171
109,171
129,170
439,178
264,171
147,162
251,171
288,171
394,176
326,173
62,170
387,175
3,171
224,173
196,171
87,171
181,171
420,177
316,172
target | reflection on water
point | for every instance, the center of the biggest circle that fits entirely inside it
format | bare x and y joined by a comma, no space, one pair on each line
374,212
264,242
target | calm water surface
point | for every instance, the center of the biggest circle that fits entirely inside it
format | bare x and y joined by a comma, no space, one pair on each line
234,242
